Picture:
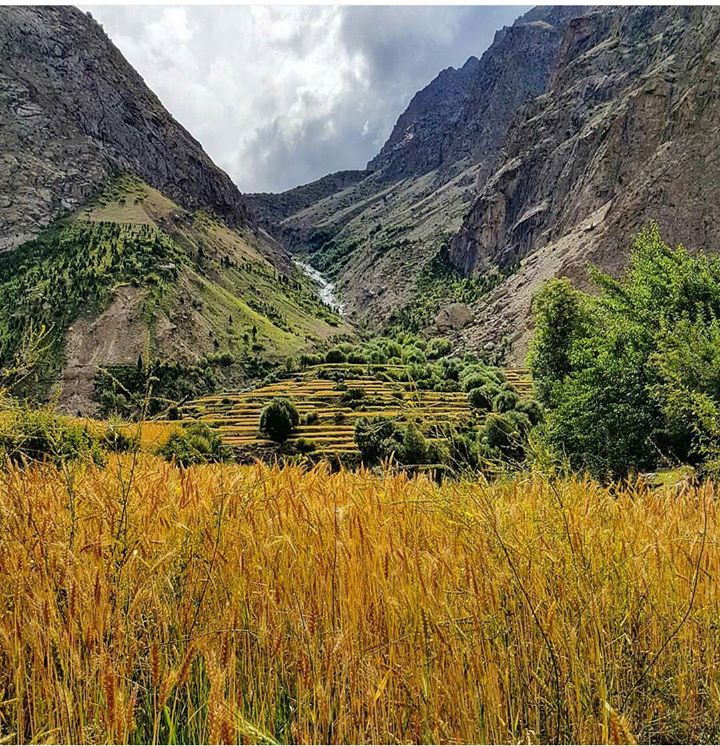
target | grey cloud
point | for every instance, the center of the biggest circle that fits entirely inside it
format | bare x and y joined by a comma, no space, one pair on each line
279,96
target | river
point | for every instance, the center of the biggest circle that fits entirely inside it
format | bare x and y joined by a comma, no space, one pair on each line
326,289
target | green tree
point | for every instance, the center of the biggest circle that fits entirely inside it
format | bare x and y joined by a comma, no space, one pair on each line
278,419
560,315
610,368
377,438
414,446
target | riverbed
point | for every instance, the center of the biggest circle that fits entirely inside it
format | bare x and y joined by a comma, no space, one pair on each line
326,289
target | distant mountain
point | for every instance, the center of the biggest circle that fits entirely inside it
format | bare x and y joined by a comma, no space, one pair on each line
117,231
378,231
576,126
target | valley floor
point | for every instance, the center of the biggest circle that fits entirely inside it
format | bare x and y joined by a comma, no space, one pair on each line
142,602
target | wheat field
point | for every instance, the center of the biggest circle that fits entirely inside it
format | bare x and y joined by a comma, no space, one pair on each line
141,602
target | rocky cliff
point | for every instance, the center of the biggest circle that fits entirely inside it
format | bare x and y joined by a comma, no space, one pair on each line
72,112
626,133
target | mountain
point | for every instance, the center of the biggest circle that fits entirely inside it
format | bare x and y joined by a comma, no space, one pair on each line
379,232
118,234
575,128
626,133
74,112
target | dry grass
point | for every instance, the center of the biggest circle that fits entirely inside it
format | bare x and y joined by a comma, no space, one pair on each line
142,602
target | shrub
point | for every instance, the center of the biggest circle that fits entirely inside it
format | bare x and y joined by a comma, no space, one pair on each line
532,409
414,446
463,451
278,419
438,452
476,380
38,435
115,440
413,355
335,356
311,418
377,438
505,401
482,398
197,443
353,395
504,436
620,372
438,347
305,445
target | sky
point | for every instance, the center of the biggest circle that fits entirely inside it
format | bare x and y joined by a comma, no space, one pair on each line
281,95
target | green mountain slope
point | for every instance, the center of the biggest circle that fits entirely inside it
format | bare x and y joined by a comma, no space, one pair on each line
134,276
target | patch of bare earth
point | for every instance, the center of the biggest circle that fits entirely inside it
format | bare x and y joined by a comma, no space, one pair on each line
117,336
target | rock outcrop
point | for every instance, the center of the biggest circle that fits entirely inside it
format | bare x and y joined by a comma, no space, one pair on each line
72,112
626,133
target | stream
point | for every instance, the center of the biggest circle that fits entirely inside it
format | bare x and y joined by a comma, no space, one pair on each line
326,289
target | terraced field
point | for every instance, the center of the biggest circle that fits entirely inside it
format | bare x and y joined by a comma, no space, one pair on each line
236,416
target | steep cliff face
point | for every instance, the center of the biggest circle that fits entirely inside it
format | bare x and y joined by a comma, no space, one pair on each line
416,144
377,232
627,132
72,111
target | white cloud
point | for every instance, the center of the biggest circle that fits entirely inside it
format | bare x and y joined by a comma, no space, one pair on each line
281,95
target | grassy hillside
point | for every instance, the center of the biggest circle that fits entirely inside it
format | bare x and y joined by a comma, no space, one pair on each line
144,603
133,275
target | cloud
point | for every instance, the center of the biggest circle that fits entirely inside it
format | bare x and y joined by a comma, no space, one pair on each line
279,95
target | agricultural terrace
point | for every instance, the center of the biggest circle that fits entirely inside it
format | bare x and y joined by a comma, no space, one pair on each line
328,413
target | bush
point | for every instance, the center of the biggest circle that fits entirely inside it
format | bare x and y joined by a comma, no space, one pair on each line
438,452
197,443
38,435
335,356
305,445
115,440
532,409
438,347
414,446
505,401
482,398
311,418
278,419
504,436
463,451
353,395
377,438
475,380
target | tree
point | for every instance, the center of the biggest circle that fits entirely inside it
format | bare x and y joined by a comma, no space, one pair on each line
414,446
278,419
618,371
560,317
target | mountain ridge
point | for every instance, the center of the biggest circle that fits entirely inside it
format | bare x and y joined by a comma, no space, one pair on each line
382,228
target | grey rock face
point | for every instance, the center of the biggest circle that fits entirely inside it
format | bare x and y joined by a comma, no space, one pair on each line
415,145
626,133
72,111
